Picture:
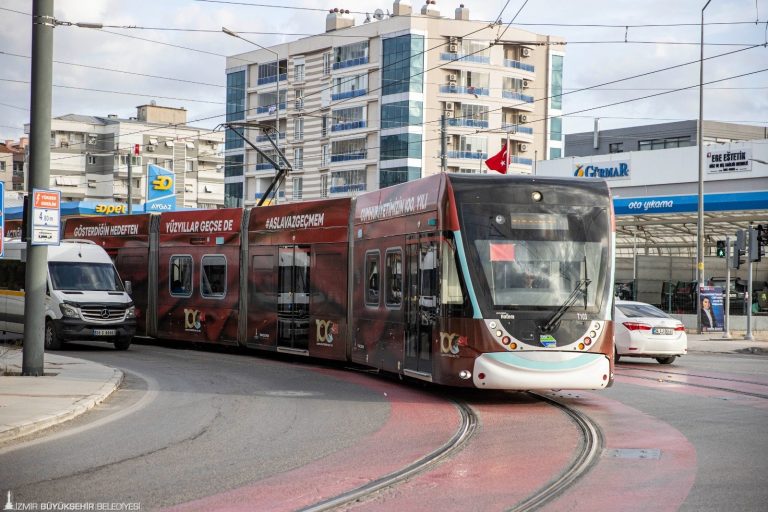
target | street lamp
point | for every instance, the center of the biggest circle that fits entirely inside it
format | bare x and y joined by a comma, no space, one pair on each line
277,85
700,148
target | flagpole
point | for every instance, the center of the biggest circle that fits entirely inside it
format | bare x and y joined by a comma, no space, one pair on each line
506,167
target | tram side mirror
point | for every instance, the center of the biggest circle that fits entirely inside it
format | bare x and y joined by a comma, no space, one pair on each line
128,288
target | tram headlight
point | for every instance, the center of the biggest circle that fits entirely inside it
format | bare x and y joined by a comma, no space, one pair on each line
465,374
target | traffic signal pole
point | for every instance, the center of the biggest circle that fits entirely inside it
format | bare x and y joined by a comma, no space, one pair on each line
727,326
39,178
748,335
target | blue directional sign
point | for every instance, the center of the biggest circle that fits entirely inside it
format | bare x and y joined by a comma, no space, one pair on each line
161,189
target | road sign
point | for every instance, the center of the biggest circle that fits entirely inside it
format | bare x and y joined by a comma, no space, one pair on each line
46,217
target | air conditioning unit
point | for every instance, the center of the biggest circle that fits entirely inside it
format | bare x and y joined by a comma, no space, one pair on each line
523,118
448,105
452,83
448,115
522,147
525,52
453,39
452,77
526,84
453,48
449,141
150,149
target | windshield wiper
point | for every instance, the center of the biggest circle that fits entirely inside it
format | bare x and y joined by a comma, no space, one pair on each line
557,315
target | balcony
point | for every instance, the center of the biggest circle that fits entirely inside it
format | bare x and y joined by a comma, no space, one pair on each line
351,125
346,189
265,138
514,95
264,166
266,109
458,89
516,64
476,59
348,94
350,63
468,155
516,128
352,155
469,123
271,79
520,160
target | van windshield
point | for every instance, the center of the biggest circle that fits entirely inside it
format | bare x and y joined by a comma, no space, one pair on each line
81,276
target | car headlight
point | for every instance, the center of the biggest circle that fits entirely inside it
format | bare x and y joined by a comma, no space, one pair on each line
130,312
69,311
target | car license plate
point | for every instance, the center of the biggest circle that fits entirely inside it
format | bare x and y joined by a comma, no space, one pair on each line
666,331
104,332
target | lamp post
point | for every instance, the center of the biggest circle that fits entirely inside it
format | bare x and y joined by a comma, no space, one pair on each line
277,86
700,148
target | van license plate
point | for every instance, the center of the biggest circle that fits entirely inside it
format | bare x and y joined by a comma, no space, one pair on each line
104,332
666,331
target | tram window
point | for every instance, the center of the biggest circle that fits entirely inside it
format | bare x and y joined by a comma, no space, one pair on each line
213,276
372,278
180,276
450,292
394,276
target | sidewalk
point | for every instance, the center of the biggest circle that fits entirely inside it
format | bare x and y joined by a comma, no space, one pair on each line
715,342
69,388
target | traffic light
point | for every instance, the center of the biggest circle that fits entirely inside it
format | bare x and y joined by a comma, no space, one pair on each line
738,249
755,243
720,249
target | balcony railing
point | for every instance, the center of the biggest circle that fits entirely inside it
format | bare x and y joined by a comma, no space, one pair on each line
470,123
345,189
352,155
520,160
516,128
350,63
514,95
265,110
265,138
458,89
471,155
264,166
518,65
271,79
349,94
351,125
477,59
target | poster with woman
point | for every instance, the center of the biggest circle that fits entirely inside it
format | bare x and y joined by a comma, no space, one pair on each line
712,311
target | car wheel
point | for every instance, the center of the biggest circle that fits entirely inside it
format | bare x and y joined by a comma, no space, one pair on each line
52,341
122,344
666,360
616,356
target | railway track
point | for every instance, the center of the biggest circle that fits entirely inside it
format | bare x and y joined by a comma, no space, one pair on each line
691,384
589,450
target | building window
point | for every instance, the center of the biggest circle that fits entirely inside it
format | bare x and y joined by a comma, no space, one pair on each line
556,91
233,165
401,145
354,54
556,128
648,145
268,72
350,149
324,185
298,128
324,126
396,175
298,158
344,182
2,166
235,107
91,160
349,87
677,142
616,147
233,195
213,276
372,279
394,276
402,69
325,155
297,188
401,114
327,60
298,72
555,153
180,276
299,95
348,119
190,166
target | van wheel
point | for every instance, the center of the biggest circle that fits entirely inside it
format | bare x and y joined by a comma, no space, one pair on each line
52,341
122,344
666,360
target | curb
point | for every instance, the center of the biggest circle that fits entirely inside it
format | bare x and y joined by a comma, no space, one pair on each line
81,407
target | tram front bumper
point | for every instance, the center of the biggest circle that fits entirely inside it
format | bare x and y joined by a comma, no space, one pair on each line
541,370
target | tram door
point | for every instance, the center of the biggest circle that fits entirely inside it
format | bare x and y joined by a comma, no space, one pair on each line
422,301
293,297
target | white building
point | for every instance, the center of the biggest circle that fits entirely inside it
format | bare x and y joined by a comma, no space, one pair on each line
359,107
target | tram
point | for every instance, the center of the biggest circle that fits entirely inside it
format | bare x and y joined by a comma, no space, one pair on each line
495,282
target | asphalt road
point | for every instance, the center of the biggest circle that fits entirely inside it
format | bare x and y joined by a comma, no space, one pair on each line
211,429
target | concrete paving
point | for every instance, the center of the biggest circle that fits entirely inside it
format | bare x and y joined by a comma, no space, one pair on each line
69,388
73,386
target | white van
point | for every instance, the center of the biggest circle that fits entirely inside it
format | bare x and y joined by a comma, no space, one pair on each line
85,299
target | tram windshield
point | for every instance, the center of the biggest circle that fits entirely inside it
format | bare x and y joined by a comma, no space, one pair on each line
536,259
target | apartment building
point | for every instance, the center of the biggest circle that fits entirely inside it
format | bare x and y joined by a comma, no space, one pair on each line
90,157
359,107
13,154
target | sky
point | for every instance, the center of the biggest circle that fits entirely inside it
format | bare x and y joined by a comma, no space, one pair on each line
176,54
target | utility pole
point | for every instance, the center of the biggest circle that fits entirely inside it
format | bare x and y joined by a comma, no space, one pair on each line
39,178
727,326
130,199
751,240
443,145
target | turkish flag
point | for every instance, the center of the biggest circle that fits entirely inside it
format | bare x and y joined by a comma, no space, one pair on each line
498,162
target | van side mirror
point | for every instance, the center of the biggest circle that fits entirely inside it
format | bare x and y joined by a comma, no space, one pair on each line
128,288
